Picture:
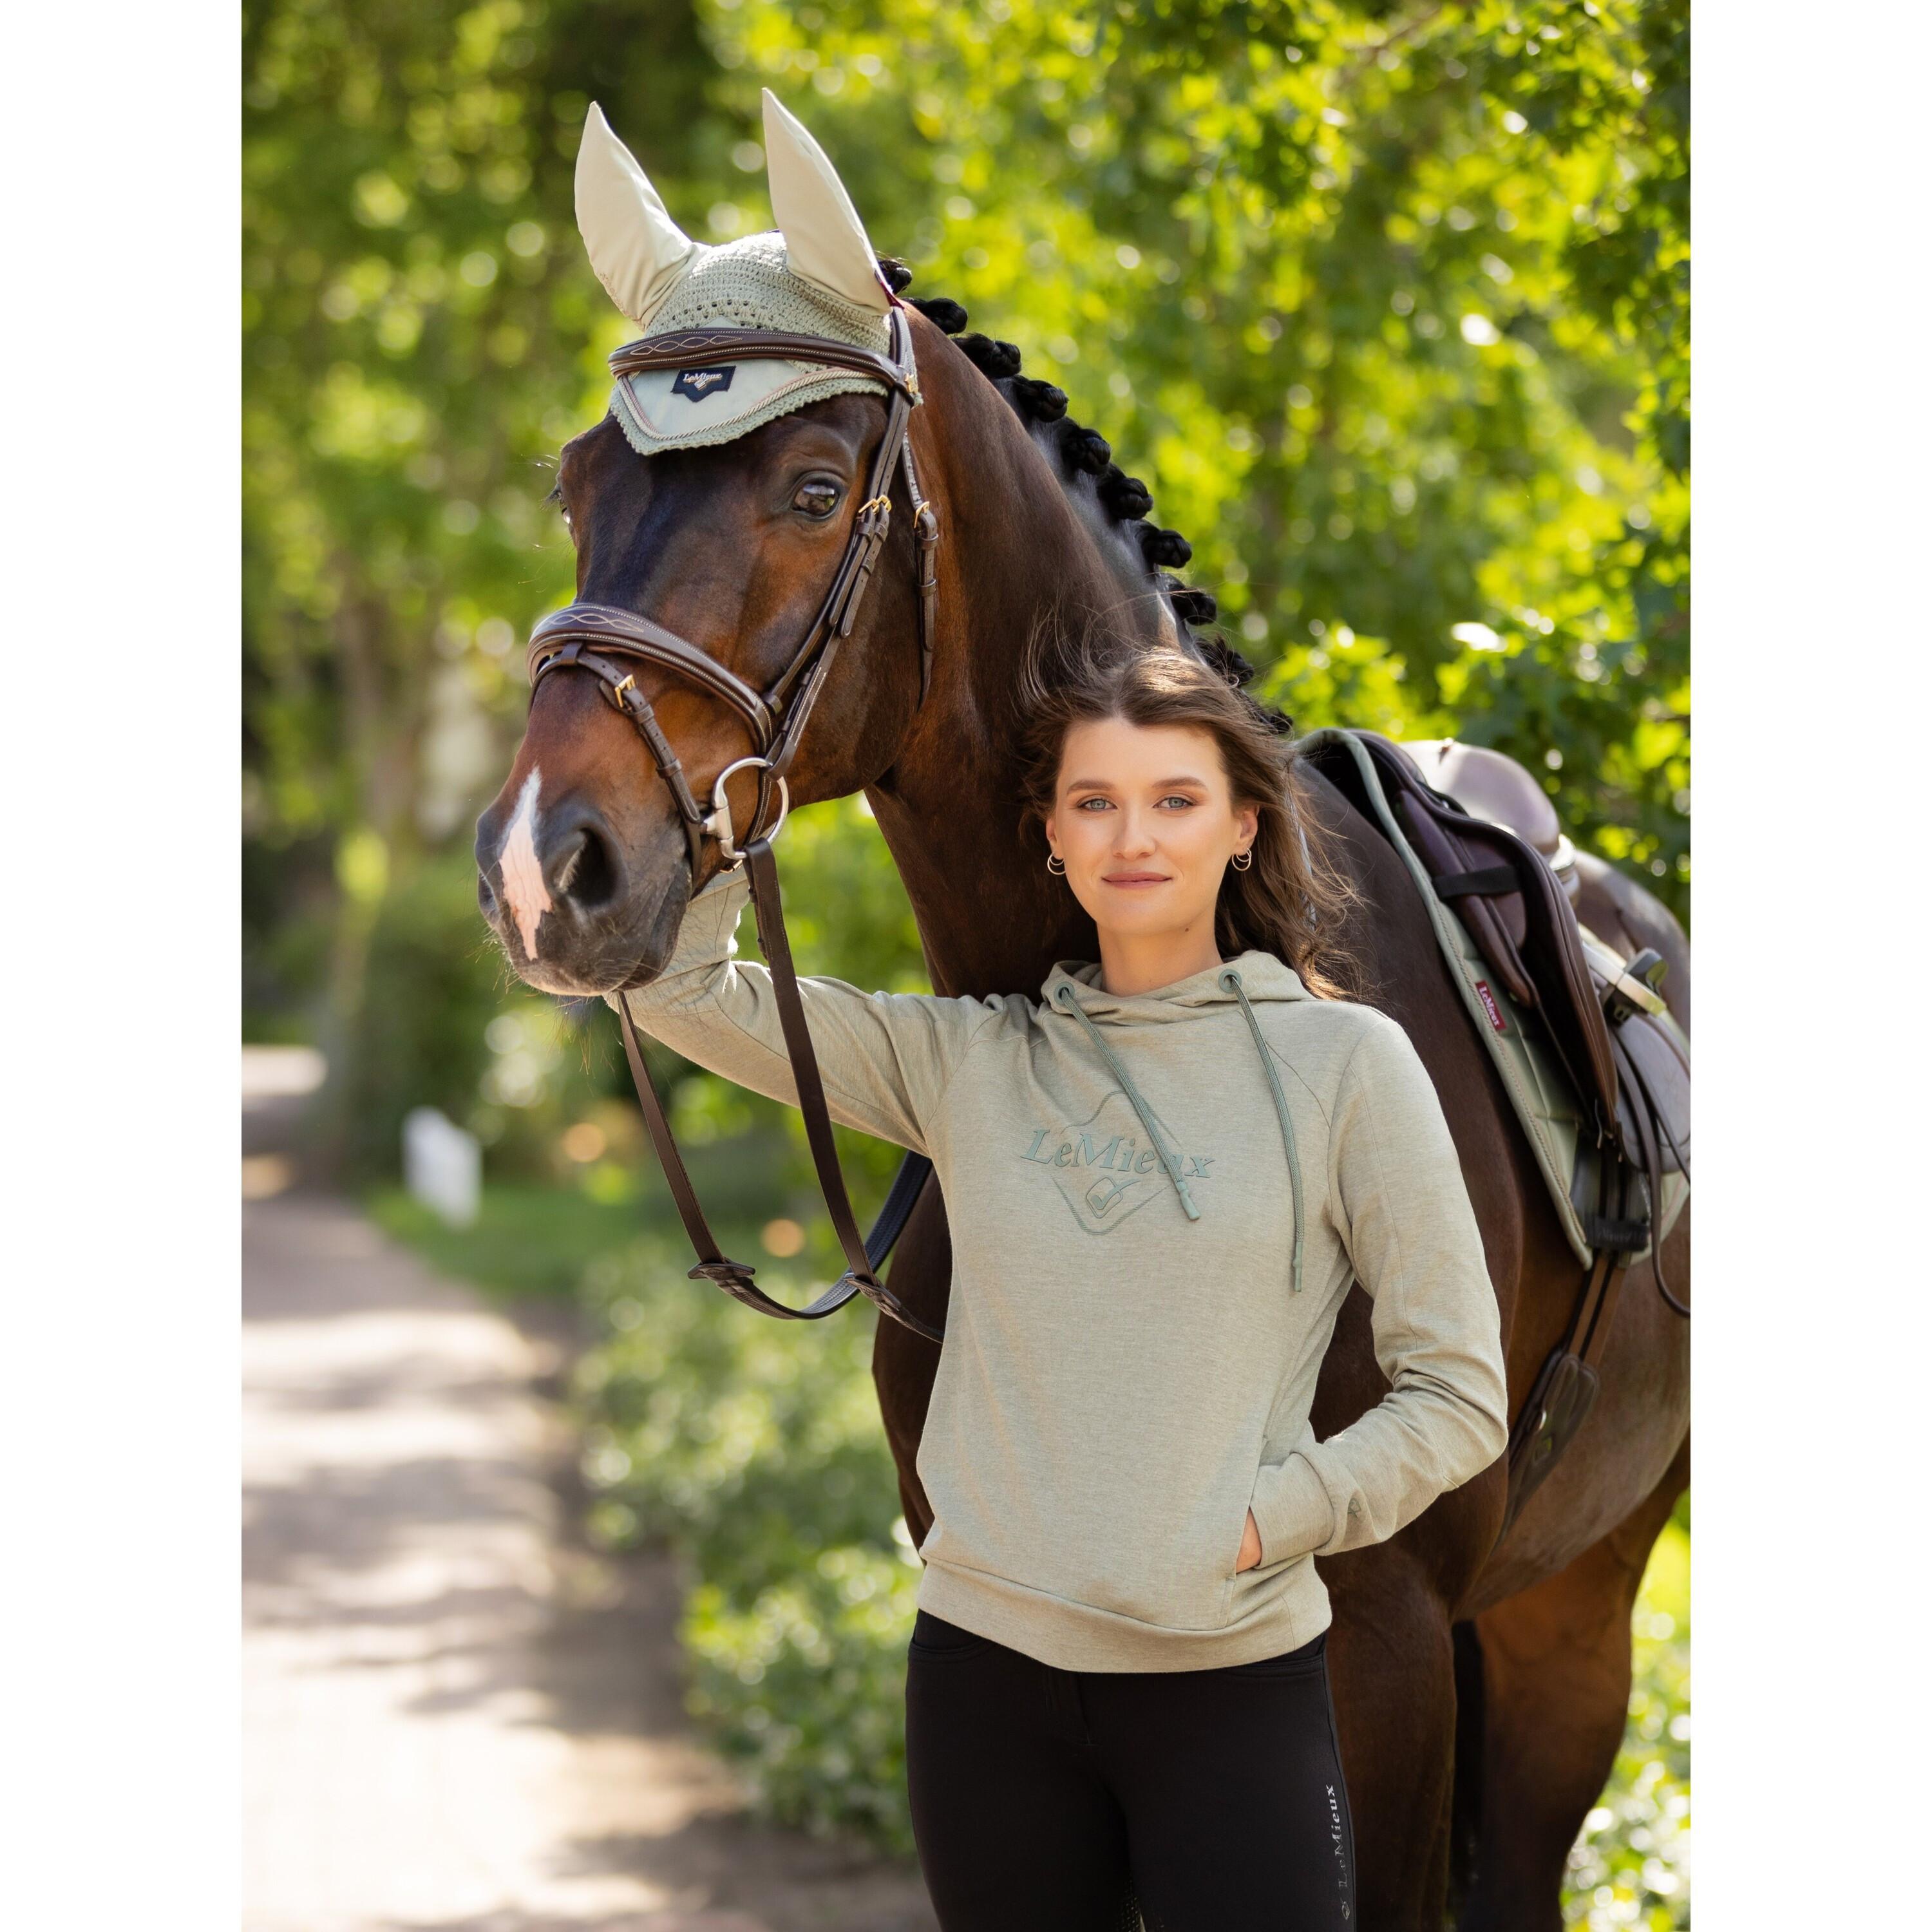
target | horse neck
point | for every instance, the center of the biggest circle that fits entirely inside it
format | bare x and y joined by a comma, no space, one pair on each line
1016,554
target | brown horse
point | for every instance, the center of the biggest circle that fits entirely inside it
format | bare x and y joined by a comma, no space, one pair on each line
1481,1690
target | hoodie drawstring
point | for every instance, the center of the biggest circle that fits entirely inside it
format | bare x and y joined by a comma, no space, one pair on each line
1231,979
1168,1160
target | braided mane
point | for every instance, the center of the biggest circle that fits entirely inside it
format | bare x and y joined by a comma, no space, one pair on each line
1080,452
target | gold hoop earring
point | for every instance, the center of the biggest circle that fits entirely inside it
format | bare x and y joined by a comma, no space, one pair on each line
1241,861
1056,865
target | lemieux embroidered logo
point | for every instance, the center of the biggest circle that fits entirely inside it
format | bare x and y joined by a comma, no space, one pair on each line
1105,1168
694,384
1337,1845
1495,1012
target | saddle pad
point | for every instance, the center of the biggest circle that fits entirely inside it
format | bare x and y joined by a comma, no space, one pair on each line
1545,1104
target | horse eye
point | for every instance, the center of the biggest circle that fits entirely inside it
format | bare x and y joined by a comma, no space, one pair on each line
817,498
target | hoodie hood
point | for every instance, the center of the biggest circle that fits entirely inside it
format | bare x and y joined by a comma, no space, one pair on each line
1263,976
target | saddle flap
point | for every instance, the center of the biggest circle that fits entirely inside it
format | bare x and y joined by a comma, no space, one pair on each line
1495,919
1655,1053
1662,1070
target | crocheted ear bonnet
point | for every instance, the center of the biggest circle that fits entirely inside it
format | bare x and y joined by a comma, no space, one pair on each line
814,275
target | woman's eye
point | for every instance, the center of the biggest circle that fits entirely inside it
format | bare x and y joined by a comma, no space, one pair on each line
1093,804
1177,799
818,498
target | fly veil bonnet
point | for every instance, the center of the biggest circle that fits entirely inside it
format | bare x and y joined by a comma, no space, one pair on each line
737,335
814,275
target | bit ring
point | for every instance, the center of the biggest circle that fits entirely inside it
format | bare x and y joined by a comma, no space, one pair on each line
718,825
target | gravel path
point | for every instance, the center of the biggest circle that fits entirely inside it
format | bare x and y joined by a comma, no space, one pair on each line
457,1719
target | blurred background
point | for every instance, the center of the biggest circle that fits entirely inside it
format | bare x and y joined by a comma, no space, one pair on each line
1387,303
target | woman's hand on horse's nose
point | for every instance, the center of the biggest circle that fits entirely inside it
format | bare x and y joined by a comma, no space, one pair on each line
1251,1545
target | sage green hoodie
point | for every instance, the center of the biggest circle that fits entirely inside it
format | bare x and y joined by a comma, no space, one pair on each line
1139,1310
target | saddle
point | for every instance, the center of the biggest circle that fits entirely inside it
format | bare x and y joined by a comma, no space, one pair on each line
1505,889
1492,785
1482,840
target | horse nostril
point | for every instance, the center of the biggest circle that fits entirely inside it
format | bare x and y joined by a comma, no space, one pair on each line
583,870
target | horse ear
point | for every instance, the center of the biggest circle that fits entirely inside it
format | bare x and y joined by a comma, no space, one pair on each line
637,249
825,241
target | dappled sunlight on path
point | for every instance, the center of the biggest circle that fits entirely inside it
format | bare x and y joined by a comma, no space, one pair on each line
457,1719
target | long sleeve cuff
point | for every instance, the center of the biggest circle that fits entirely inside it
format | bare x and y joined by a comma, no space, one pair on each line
1292,1510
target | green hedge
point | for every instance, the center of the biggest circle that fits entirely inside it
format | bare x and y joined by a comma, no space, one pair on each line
753,1447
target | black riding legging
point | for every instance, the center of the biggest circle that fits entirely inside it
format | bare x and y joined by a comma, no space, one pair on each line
1051,1801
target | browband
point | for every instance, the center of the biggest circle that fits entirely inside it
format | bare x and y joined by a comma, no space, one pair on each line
700,348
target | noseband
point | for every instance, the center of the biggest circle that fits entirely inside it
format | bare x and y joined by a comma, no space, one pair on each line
609,643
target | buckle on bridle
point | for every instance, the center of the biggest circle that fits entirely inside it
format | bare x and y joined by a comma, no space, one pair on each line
718,825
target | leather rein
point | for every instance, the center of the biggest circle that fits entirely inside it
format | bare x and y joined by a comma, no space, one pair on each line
609,643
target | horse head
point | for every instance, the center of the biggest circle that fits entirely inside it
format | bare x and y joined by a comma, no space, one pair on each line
720,501
717,504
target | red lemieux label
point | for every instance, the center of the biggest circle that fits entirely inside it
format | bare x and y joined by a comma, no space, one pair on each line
1495,1012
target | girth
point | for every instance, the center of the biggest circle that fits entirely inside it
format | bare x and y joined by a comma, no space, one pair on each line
609,643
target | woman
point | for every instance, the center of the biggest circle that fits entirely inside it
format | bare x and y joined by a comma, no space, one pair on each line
1162,1176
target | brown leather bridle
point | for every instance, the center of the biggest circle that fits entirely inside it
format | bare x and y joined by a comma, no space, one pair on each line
609,643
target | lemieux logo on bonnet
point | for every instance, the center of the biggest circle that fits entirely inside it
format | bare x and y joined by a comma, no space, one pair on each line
696,384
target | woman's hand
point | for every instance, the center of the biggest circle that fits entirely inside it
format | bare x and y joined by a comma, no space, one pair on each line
1251,1545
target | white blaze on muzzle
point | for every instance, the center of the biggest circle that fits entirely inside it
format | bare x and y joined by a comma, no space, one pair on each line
524,892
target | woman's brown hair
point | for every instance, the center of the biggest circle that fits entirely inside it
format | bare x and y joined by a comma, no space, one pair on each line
1292,900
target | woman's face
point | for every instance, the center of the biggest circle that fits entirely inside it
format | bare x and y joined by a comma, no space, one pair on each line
1146,824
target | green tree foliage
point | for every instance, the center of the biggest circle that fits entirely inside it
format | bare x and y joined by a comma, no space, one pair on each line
416,324
1387,303
420,334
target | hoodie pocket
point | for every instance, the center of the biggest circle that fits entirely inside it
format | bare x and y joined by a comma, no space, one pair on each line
1305,1438
1118,1483
1147,1540
1241,1540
